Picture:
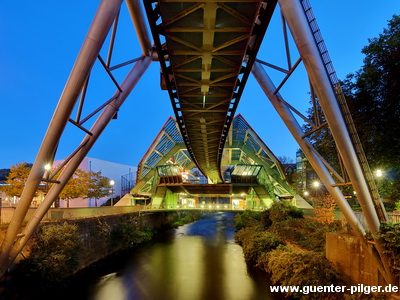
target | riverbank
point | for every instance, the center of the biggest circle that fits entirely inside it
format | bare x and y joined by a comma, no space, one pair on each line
61,252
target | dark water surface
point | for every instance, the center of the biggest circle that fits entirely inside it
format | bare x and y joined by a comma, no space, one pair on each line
196,261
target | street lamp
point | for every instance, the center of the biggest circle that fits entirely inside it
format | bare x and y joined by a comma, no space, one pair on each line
112,182
379,173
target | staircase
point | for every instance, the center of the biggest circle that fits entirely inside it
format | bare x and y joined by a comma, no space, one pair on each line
383,217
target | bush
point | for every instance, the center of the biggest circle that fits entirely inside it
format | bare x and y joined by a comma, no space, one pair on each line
281,211
247,218
307,233
293,267
266,219
189,218
129,233
390,237
255,241
55,256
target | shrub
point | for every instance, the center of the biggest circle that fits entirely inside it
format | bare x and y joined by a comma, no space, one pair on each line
324,209
293,267
247,218
188,218
307,233
281,211
390,236
265,219
255,241
129,233
55,256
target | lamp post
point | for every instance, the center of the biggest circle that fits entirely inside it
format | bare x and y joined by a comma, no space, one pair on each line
47,169
112,182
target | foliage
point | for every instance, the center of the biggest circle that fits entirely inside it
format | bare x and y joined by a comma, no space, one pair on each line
281,211
98,185
324,209
293,267
255,241
16,179
76,187
247,218
190,217
307,233
55,256
390,237
372,95
85,184
128,233
265,219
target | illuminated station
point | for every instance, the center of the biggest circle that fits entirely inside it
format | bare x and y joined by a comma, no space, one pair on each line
167,177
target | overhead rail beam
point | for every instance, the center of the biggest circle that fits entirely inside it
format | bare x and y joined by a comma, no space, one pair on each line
205,67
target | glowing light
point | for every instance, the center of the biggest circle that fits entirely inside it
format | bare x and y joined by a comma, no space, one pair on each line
47,167
112,182
306,193
379,173
316,184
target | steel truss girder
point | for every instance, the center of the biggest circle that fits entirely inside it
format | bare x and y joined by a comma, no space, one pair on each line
107,12
300,29
199,101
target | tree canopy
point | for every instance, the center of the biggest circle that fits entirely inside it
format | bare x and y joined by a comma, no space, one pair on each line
373,97
16,179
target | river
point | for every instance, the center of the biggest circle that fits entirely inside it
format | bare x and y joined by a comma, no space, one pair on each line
197,261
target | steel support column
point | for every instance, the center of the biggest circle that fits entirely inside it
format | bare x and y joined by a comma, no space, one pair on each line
106,13
102,121
136,12
308,49
295,129
323,173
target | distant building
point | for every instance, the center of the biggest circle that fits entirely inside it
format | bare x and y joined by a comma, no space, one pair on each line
124,177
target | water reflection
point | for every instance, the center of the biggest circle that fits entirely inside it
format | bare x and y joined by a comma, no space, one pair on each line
198,261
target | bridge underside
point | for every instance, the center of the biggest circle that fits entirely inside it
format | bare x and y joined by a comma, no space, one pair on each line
206,51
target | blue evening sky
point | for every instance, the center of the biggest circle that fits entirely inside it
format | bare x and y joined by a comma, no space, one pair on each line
39,41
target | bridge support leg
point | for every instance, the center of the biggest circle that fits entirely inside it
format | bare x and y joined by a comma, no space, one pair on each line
295,129
298,24
304,39
105,117
106,13
323,173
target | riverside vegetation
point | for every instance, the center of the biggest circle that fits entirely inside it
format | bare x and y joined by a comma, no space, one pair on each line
291,248
61,250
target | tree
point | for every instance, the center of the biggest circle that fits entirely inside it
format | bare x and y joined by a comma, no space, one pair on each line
76,187
99,185
324,209
373,98
16,179
372,95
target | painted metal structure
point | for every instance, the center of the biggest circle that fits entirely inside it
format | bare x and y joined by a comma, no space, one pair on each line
207,50
210,48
